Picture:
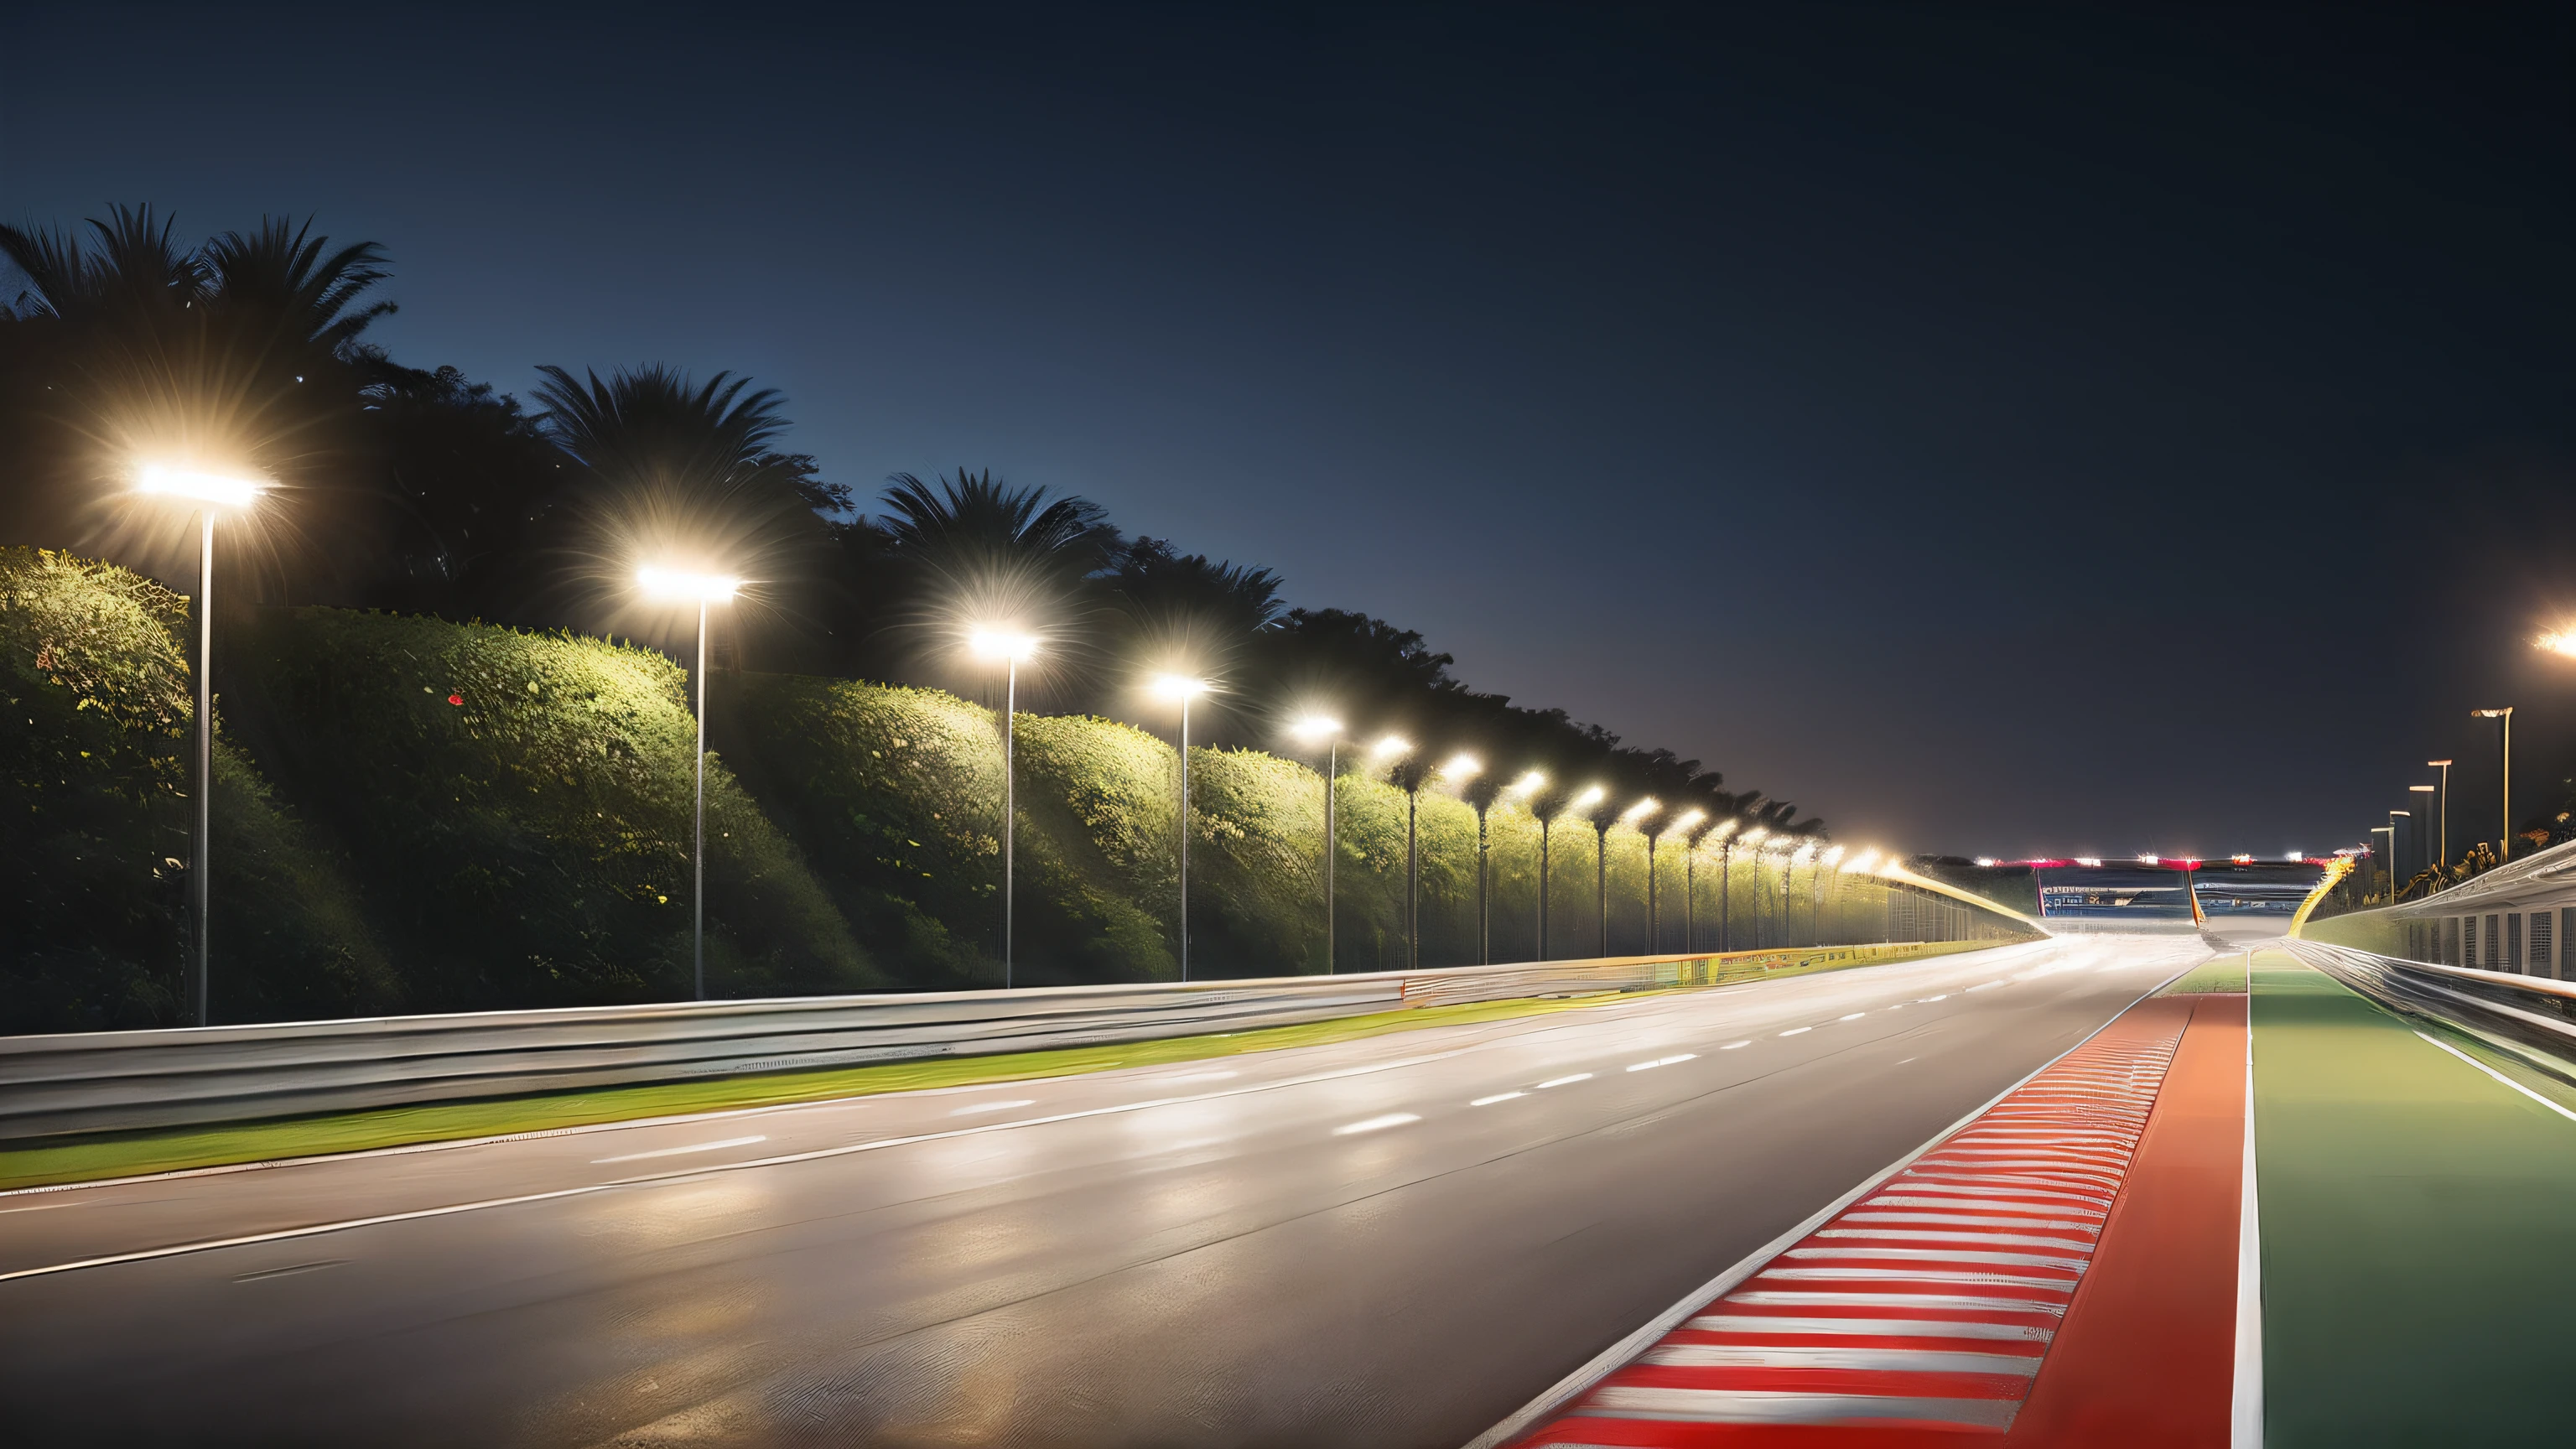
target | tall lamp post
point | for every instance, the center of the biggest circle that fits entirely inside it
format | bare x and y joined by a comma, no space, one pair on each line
212,493
1011,647
2504,845
1526,788
1631,816
702,590
1461,768
1323,727
2439,862
2442,803
2393,867
1184,688
1726,884
1688,825
2391,832
1393,750
1590,797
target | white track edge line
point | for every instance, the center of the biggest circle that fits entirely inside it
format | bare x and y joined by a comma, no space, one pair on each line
1600,1365
2245,1396
2499,1076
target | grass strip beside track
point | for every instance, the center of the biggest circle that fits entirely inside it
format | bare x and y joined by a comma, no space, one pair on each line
52,1161
127,1154
2415,1258
2217,974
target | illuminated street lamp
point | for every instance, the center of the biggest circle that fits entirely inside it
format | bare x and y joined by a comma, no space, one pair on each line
703,590
1184,688
1601,861
1590,797
1391,748
2389,830
2441,855
1527,788
1726,884
1461,768
2504,846
1631,816
211,493
1011,647
1327,729
1688,822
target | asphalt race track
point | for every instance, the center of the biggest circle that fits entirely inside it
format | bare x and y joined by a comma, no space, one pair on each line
1393,1241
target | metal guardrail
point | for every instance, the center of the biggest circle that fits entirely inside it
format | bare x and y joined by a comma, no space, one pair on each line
2527,1014
115,1081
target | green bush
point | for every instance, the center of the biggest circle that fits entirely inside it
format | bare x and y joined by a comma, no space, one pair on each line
519,805
95,779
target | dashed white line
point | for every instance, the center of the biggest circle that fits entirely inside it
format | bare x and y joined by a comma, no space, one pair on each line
1563,1081
679,1151
1855,1016
1497,1097
994,1107
1730,1046
1797,1030
1985,985
1376,1124
1663,1062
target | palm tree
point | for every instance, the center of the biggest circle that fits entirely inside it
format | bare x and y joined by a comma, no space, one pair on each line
683,473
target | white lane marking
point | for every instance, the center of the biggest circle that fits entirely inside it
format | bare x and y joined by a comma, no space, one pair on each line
1798,1031
994,1106
1664,1062
1497,1097
1985,985
1564,1081
2501,1077
681,1151
1376,1124
1730,1046
1900,1006
1944,996
684,1174
1196,1077
1854,1016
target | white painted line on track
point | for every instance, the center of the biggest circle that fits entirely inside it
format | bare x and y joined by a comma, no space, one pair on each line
1377,1124
994,1106
1985,985
1663,1062
1853,1016
1497,1097
681,1151
1798,1031
2501,1077
1565,1081
1730,1046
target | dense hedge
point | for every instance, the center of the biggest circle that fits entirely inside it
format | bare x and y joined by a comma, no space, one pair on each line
420,815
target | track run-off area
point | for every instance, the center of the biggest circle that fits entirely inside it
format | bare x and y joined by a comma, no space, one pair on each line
1995,1194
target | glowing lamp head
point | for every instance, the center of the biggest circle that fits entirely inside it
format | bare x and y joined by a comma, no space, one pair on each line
1390,746
2421,789
1723,829
2561,641
1182,687
2439,764
1591,796
1863,861
214,489
1640,810
1462,766
680,584
1754,835
1007,644
2491,713
1316,728
1531,783
1834,856
1689,818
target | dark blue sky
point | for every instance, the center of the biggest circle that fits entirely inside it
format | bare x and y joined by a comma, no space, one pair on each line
1998,429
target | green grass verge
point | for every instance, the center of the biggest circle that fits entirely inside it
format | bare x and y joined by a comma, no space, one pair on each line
126,1154
2219,974
54,1160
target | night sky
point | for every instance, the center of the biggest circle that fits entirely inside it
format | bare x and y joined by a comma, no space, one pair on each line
2000,430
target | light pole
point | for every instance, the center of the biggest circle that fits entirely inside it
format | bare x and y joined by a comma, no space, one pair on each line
1726,885
1527,788
2390,831
1591,796
2438,862
1461,768
1328,729
1629,817
1010,647
1184,688
1392,749
2393,817
211,493
2504,846
2442,802
1805,852
1820,889
701,589
1689,822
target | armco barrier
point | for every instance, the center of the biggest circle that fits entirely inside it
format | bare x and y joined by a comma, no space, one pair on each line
2532,1016
114,1081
